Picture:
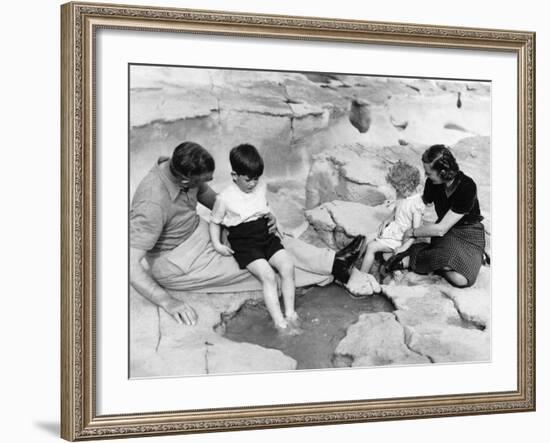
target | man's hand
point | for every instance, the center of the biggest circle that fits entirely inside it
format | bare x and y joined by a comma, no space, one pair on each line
224,250
180,311
271,223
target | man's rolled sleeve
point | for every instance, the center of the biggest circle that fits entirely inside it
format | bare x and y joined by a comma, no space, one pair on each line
146,224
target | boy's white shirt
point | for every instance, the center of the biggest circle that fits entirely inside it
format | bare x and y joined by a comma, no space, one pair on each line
234,206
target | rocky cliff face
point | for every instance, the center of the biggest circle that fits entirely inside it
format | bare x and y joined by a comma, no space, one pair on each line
346,189
223,108
291,117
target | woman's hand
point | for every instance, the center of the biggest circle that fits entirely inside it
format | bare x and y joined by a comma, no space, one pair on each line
408,234
180,311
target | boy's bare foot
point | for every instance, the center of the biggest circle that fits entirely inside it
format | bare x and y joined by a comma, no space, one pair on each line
288,330
293,319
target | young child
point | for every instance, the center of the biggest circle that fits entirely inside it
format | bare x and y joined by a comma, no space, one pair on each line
242,208
407,214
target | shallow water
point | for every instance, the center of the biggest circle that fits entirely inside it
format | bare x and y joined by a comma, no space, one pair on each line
326,314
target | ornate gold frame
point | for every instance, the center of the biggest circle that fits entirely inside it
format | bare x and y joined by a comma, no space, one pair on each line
79,420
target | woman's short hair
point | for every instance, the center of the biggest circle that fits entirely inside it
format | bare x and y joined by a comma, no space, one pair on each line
441,159
404,177
246,160
191,159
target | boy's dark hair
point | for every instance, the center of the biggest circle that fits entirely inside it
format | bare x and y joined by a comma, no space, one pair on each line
404,177
191,159
246,160
441,159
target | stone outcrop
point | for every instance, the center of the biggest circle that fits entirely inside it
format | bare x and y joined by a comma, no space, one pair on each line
220,109
179,104
338,221
169,95
161,347
355,173
444,323
359,115
432,323
378,340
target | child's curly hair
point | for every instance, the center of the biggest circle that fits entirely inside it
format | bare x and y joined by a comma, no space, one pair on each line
404,177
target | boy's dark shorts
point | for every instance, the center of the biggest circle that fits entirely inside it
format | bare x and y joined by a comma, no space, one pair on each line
251,241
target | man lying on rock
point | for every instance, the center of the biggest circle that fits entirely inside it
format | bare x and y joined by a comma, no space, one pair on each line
169,236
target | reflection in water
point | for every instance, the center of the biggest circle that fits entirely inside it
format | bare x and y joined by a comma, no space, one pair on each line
326,314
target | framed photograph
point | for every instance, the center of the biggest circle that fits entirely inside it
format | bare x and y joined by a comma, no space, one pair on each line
254,207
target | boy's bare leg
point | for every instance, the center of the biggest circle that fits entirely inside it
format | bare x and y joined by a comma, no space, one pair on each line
283,263
263,271
372,248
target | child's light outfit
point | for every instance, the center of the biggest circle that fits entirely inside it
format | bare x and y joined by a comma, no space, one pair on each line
405,209
244,216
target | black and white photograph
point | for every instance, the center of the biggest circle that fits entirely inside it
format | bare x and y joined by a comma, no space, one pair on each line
287,221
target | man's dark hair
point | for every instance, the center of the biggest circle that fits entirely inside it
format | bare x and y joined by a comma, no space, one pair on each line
191,159
246,160
441,159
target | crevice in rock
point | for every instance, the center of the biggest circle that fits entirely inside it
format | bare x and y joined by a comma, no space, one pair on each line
358,182
455,127
288,102
159,330
407,341
342,360
145,89
225,317
219,111
212,86
170,122
414,88
206,368
264,113
467,323
390,300
291,101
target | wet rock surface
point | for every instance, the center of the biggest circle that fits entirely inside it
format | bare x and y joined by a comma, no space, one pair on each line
378,340
325,313
160,347
416,320
432,323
